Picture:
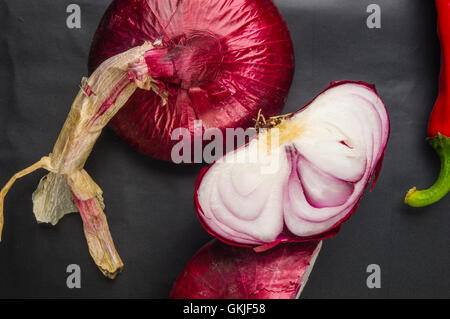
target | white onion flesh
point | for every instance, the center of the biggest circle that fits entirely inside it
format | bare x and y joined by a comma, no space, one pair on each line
327,156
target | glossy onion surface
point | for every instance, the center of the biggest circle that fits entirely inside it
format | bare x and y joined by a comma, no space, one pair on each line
220,62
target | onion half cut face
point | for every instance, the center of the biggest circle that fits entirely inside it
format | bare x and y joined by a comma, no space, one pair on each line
301,179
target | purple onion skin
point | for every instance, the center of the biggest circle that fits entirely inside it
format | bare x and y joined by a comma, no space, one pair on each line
231,59
220,271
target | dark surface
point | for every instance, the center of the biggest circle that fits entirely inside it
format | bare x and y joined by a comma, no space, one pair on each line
152,218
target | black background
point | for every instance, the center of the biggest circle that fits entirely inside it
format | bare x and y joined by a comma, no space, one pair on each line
149,203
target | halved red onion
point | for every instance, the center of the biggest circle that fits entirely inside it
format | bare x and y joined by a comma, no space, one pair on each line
309,183
220,271
217,61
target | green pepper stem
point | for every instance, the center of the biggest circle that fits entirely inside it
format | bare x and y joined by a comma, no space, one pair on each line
415,198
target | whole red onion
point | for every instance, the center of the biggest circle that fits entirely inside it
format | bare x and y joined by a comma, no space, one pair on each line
219,61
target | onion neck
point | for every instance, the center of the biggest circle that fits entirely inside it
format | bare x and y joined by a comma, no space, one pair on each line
193,60
422,198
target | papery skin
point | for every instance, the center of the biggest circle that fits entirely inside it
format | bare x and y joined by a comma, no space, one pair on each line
68,187
220,271
224,61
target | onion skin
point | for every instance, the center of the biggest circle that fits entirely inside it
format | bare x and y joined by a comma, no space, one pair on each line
228,60
68,188
100,243
234,221
220,271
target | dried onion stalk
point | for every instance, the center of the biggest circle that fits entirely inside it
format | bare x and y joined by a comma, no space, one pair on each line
68,188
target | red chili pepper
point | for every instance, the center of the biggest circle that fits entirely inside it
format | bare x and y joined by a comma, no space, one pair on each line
439,125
